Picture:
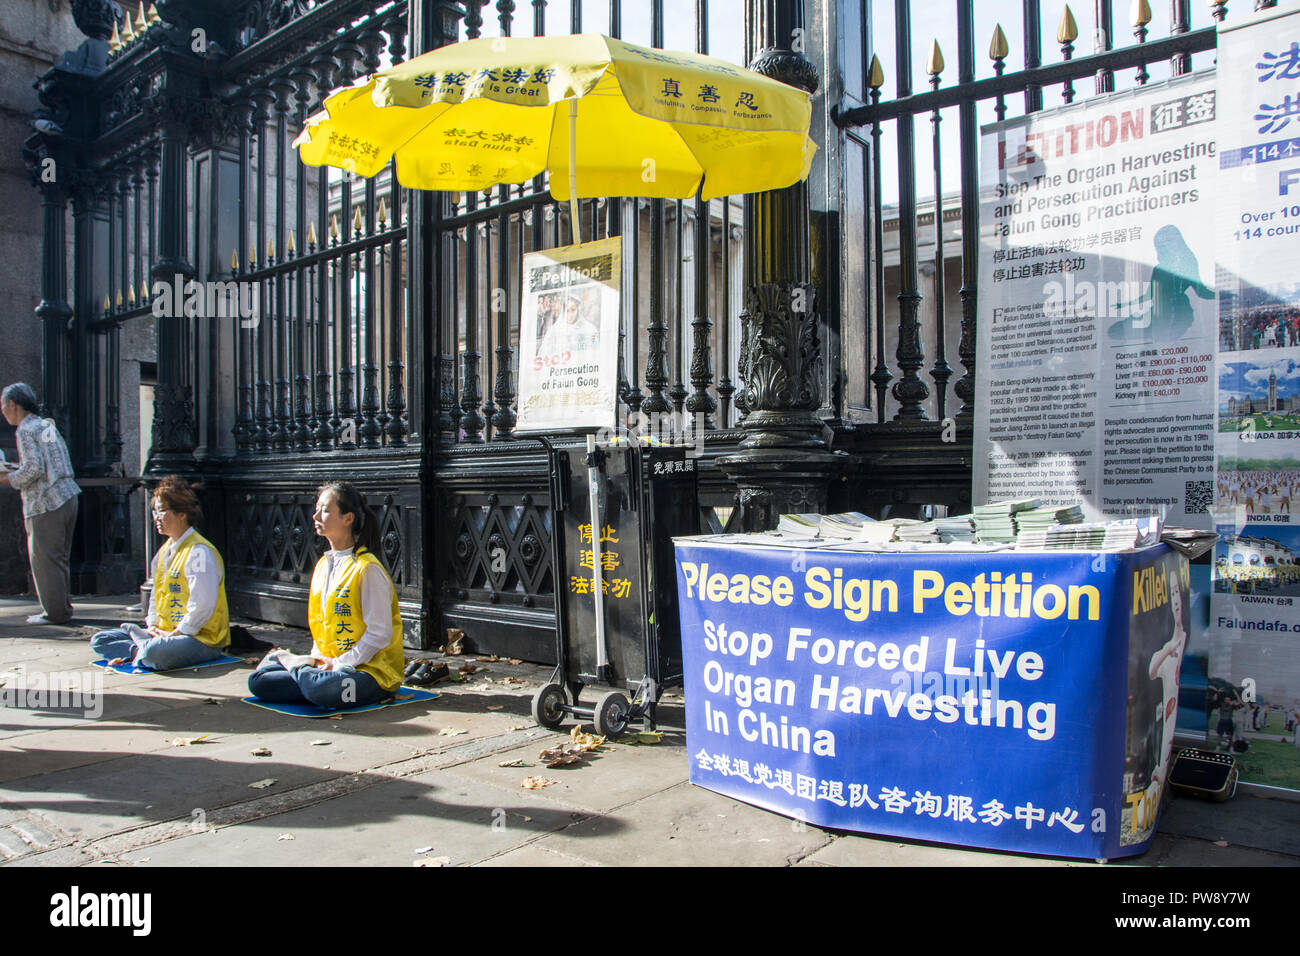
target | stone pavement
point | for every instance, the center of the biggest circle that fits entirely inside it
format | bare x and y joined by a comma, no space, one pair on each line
375,788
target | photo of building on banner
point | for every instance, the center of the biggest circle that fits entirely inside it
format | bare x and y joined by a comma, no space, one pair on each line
1253,673
1096,324
568,337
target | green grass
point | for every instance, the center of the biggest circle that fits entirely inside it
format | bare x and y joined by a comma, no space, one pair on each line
1280,423
1271,762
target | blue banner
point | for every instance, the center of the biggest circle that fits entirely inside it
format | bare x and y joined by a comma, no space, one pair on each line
987,700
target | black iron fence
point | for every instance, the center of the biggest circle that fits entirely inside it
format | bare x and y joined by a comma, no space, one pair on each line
313,325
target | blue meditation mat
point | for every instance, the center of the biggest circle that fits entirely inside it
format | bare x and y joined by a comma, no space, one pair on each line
405,695
137,669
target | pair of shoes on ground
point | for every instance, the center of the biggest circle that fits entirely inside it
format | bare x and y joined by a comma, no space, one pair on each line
421,673
42,619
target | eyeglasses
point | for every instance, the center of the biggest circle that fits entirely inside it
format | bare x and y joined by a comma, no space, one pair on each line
161,512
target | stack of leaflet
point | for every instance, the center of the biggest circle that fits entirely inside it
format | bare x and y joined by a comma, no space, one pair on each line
1120,535
803,525
955,528
994,521
1032,526
909,529
848,526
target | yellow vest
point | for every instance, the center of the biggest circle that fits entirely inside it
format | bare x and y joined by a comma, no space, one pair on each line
338,626
171,592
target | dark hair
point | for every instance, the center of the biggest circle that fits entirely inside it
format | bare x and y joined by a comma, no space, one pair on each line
22,395
176,494
365,523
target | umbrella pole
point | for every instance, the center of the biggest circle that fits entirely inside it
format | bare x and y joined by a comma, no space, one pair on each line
597,576
575,219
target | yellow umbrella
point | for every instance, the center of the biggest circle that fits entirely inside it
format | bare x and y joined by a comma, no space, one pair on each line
604,117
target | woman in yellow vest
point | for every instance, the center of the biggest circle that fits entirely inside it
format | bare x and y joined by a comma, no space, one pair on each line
188,621
356,656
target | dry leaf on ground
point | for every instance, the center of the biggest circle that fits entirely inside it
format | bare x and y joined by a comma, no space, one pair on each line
536,783
496,706
319,743
433,861
517,762
424,849
286,836
451,732
586,741
642,737
467,668
260,752
187,741
492,659
514,660
262,784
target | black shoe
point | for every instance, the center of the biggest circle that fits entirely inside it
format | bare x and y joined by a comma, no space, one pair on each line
412,667
428,673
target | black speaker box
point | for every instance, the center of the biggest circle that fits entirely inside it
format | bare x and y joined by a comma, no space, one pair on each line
1206,774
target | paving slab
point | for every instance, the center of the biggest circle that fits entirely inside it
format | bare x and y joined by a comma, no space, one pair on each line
686,826
382,825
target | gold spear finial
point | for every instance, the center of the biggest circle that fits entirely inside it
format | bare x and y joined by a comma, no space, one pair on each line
115,41
1068,31
877,78
141,21
934,65
311,235
334,226
998,48
1140,13
292,246
382,213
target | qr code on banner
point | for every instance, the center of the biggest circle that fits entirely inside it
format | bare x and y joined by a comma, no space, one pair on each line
1197,496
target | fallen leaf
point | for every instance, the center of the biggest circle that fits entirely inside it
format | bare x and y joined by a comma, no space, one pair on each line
528,819
424,849
260,752
510,680
586,741
496,706
514,660
451,732
432,861
187,741
286,836
517,762
262,784
642,737
455,641
536,783
334,717
252,660
518,726
467,669
319,743
1222,843
488,660
211,700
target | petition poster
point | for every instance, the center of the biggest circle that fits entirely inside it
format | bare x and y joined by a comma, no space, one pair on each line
568,337
1097,305
1253,679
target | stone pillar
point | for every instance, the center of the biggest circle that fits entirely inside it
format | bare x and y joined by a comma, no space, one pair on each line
784,464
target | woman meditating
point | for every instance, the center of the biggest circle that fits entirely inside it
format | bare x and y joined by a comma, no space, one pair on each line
356,655
188,622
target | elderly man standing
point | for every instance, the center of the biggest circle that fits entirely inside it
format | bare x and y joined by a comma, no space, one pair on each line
44,476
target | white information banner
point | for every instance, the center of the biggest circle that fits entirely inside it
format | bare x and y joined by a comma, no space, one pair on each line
1096,311
1254,666
568,337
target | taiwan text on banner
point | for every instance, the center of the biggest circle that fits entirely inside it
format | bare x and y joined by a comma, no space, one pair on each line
1253,674
1096,308
1008,700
